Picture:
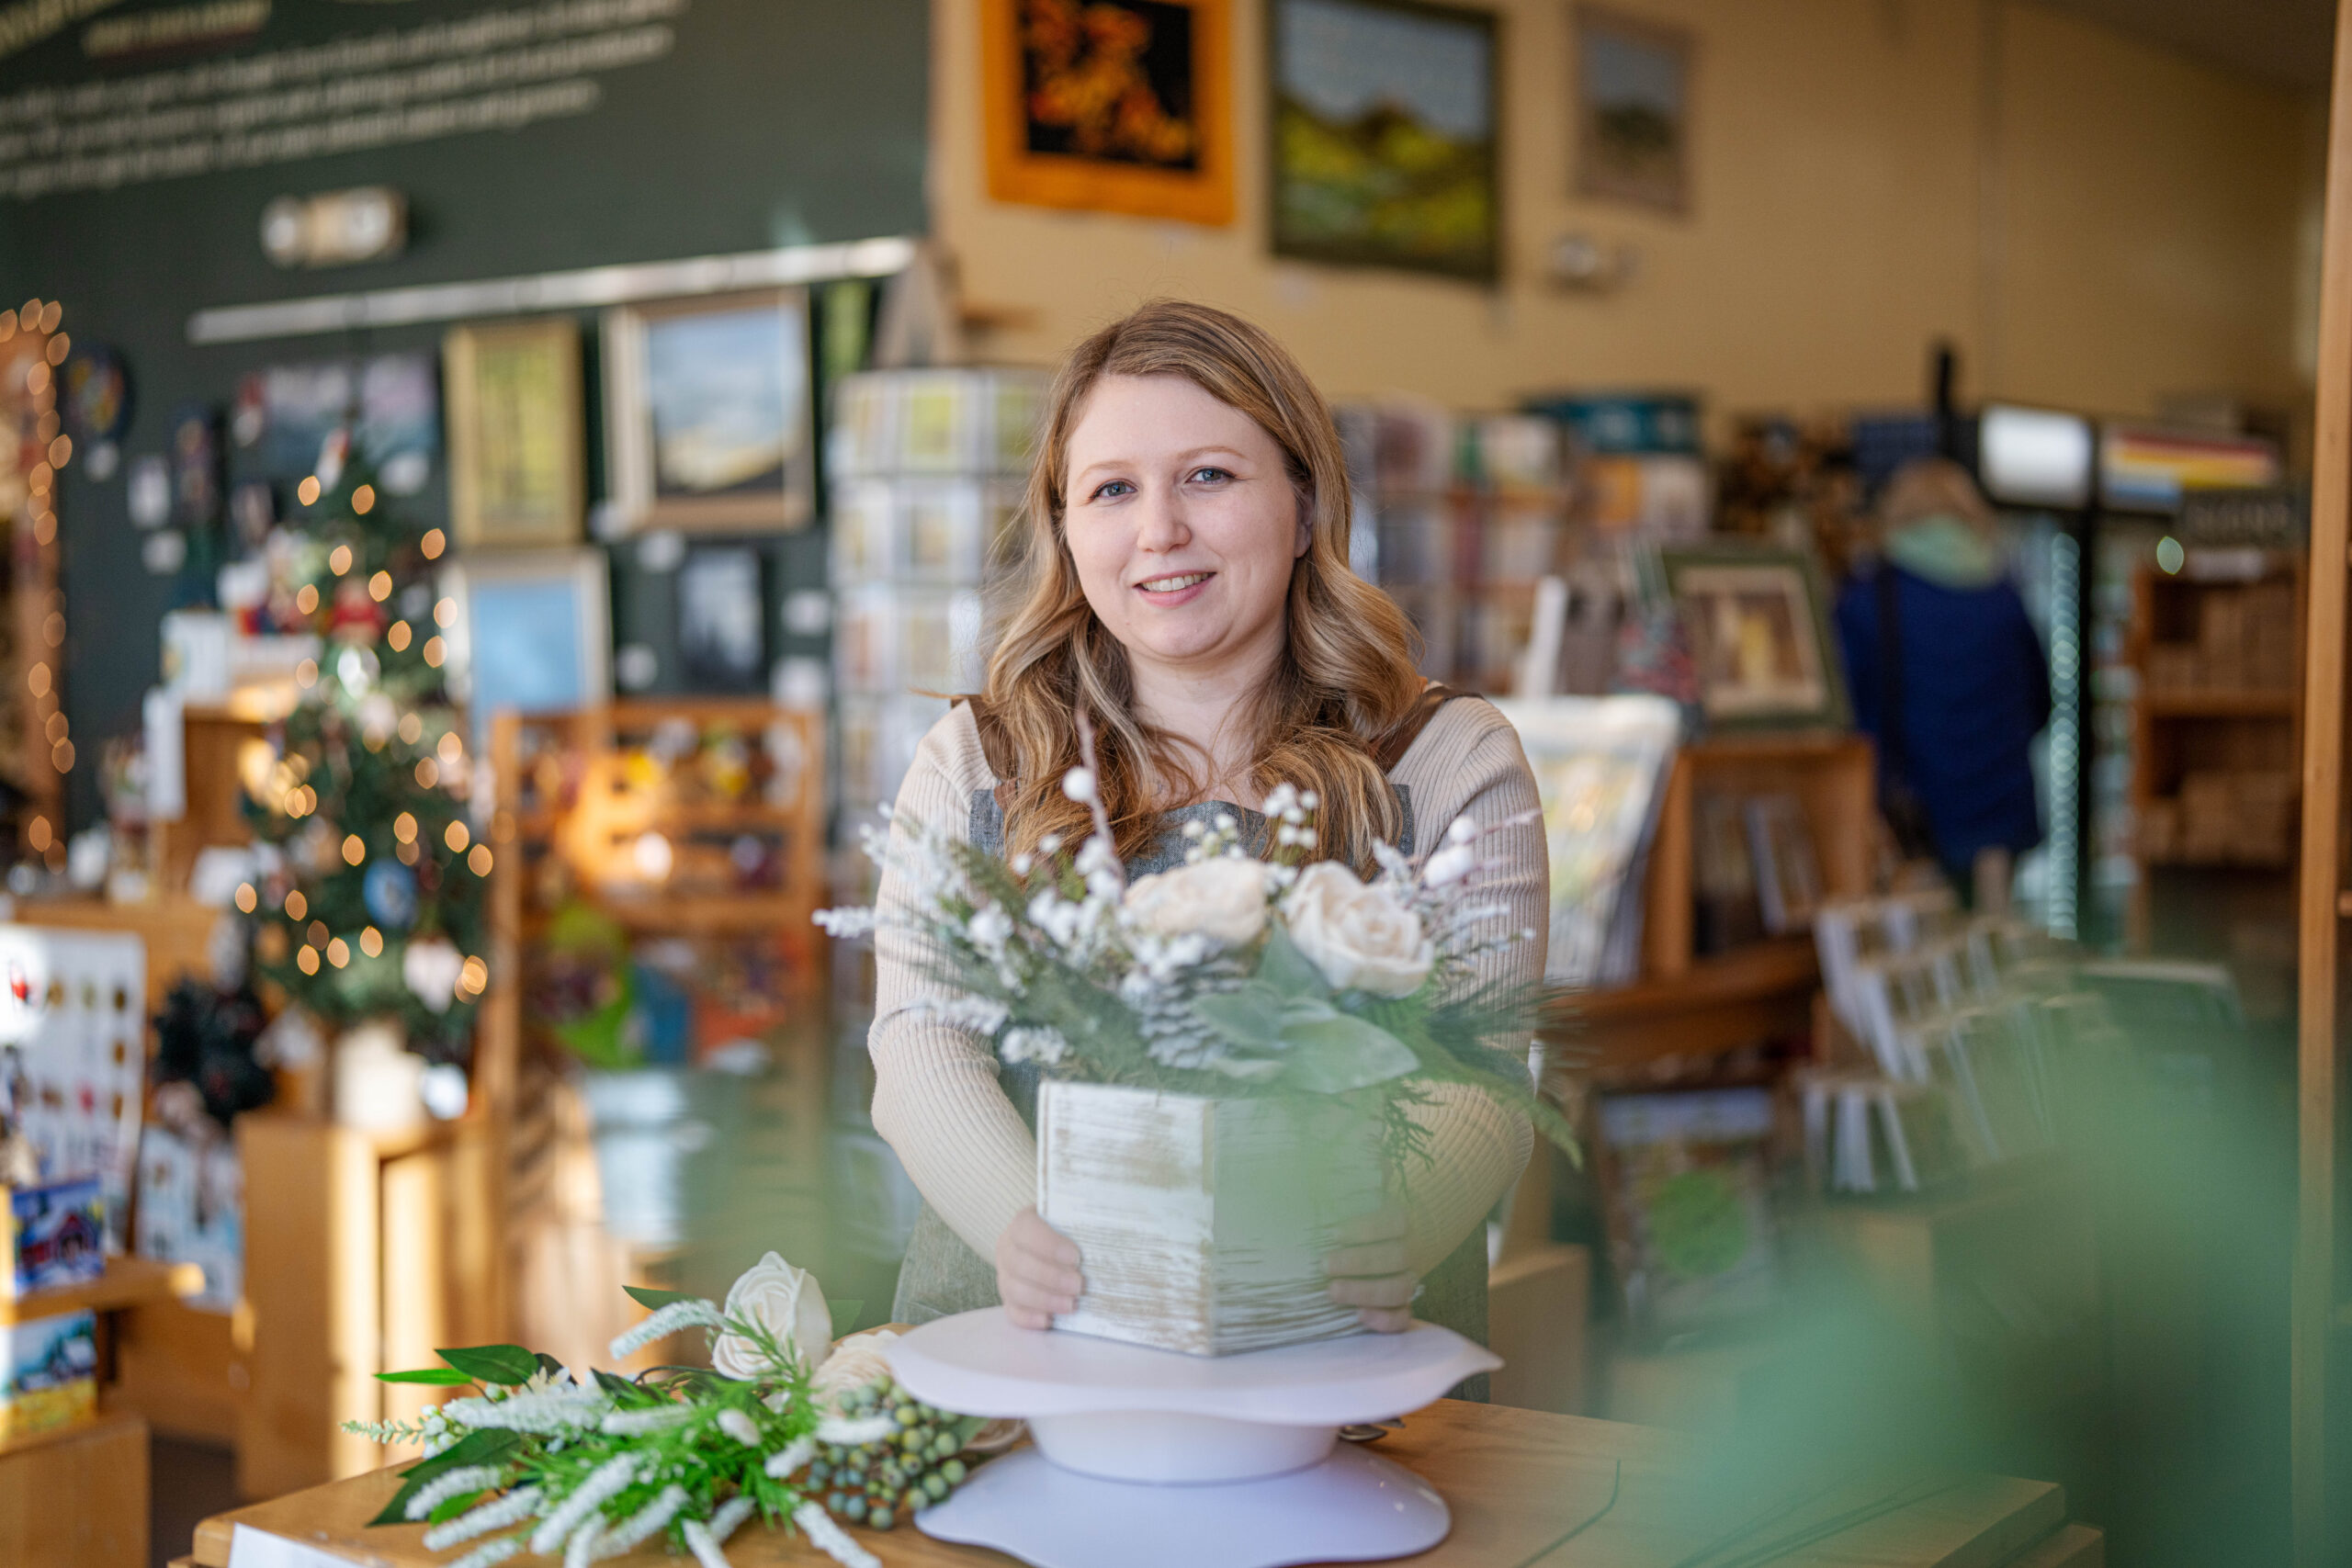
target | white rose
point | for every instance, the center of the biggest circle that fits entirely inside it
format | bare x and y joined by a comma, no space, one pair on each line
855,1362
1223,897
1359,936
787,1302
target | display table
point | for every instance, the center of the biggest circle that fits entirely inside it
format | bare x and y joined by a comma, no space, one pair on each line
1515,1480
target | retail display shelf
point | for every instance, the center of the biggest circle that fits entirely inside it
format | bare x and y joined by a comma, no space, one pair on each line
1718,1004
128,1282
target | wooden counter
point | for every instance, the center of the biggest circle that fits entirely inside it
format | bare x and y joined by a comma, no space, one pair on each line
1517,1482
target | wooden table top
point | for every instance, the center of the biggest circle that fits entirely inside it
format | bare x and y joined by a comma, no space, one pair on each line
1516,1480
128,1282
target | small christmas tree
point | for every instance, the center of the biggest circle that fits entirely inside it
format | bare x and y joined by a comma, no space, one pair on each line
373,904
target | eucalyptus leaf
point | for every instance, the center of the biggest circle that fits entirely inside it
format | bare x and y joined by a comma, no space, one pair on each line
1282,966
1250,1016
440,1377
645,1296
1340,1052
505,1364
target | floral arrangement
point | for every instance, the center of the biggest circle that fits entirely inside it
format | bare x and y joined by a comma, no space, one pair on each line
787,1426
1229,975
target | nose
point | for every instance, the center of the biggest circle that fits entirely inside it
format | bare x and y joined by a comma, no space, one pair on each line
1161,526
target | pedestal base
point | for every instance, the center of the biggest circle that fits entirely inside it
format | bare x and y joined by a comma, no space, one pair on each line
1353,1507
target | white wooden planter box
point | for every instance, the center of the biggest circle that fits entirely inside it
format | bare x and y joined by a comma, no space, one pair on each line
1203,1223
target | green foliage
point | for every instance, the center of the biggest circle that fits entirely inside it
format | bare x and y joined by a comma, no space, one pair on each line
371,752
507,1364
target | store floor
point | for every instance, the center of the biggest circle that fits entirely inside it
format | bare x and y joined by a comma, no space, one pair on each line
190,1482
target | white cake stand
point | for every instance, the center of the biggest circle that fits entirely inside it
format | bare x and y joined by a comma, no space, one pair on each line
1150,1459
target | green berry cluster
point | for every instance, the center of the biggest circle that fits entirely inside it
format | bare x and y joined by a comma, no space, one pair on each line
874,1483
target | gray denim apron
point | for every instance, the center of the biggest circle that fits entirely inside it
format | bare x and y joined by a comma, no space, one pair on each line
941,1276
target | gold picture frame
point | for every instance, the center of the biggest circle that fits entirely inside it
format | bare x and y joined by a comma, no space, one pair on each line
517,435
1092,151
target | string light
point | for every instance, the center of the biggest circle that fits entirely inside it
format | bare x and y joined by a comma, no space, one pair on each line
296,905
307,961
428,772
339,560
363,500
435,652
479,861
405,827
38,834
412,726
457,837
306,599
307,492
445,613
473,979
379,587
338,953
372,943
318,933
247,899
306,674
353,849
433,544
399,637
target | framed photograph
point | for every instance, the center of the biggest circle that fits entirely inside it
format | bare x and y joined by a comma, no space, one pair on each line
516,440
1759,634
721,633
1632,117
707,415
1384,125
388,406
532,633
1686,1184
1109,106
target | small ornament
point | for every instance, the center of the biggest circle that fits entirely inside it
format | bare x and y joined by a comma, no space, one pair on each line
390,893
358,619
430,967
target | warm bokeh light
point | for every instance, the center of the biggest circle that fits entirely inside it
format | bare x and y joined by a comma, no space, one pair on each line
411,727
338,953
399,637
355,850
307,961
379,587
435,652
307,492
457,837
474,978
433,544
478,862
363,500
445,613
37,680
38,834
306,674
296,905
428,772
372,943
247,899
339,560
405,827
306,599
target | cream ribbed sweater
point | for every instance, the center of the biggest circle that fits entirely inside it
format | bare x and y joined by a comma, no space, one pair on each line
937,1097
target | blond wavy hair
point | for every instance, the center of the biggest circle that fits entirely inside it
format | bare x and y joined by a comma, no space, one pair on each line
1346,675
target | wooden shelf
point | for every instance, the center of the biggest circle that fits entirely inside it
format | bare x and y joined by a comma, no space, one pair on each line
128,1282
2220,704
1718,1004
716,915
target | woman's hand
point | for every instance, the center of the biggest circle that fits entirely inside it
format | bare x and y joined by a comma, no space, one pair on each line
1368,1270
1036,1271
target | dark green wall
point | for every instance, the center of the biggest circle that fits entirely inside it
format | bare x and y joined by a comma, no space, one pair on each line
770,122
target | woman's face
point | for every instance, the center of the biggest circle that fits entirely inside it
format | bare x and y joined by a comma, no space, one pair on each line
1183,523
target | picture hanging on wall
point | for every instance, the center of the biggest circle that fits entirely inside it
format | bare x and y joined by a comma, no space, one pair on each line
515,442
1633,110
706,413
1109,106
390,406
721,636
1383,122
1760,636
532,632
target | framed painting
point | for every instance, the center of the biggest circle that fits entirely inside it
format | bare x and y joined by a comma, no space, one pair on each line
707,415
532,632
1632,119
516,444
1109,106
1759,626
1386,134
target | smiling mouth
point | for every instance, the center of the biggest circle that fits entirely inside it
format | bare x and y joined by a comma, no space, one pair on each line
1176,584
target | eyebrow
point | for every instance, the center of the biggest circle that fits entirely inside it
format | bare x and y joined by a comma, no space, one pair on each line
1194,456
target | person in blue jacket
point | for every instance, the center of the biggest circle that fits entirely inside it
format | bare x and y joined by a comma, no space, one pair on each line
1965,673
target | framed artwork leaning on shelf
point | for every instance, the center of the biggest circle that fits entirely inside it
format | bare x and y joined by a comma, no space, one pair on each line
707,412
530,633
517,447
1758,625
1109,106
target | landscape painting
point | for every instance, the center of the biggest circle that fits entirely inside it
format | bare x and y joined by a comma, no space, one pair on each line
1633,110
1384,129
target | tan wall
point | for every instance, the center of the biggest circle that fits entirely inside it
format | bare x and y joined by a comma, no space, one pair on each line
2093,220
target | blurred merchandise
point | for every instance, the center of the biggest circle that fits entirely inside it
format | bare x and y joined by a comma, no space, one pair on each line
49,1373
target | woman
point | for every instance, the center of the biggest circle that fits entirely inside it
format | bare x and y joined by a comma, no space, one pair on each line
1947,675
1188,582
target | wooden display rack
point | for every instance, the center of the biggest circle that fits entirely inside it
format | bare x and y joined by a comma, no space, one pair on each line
1685,1005
566,806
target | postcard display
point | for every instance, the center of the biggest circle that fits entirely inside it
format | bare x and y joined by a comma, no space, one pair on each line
73,1070
923,472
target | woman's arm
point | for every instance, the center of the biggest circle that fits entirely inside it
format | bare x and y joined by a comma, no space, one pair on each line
1477,1149
936,1099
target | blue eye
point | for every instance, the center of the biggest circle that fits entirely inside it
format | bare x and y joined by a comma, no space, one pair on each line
1113,486
1211,474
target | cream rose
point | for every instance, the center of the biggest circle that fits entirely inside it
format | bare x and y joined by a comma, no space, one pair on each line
1359,936
855,1362
787,1302
1223,897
